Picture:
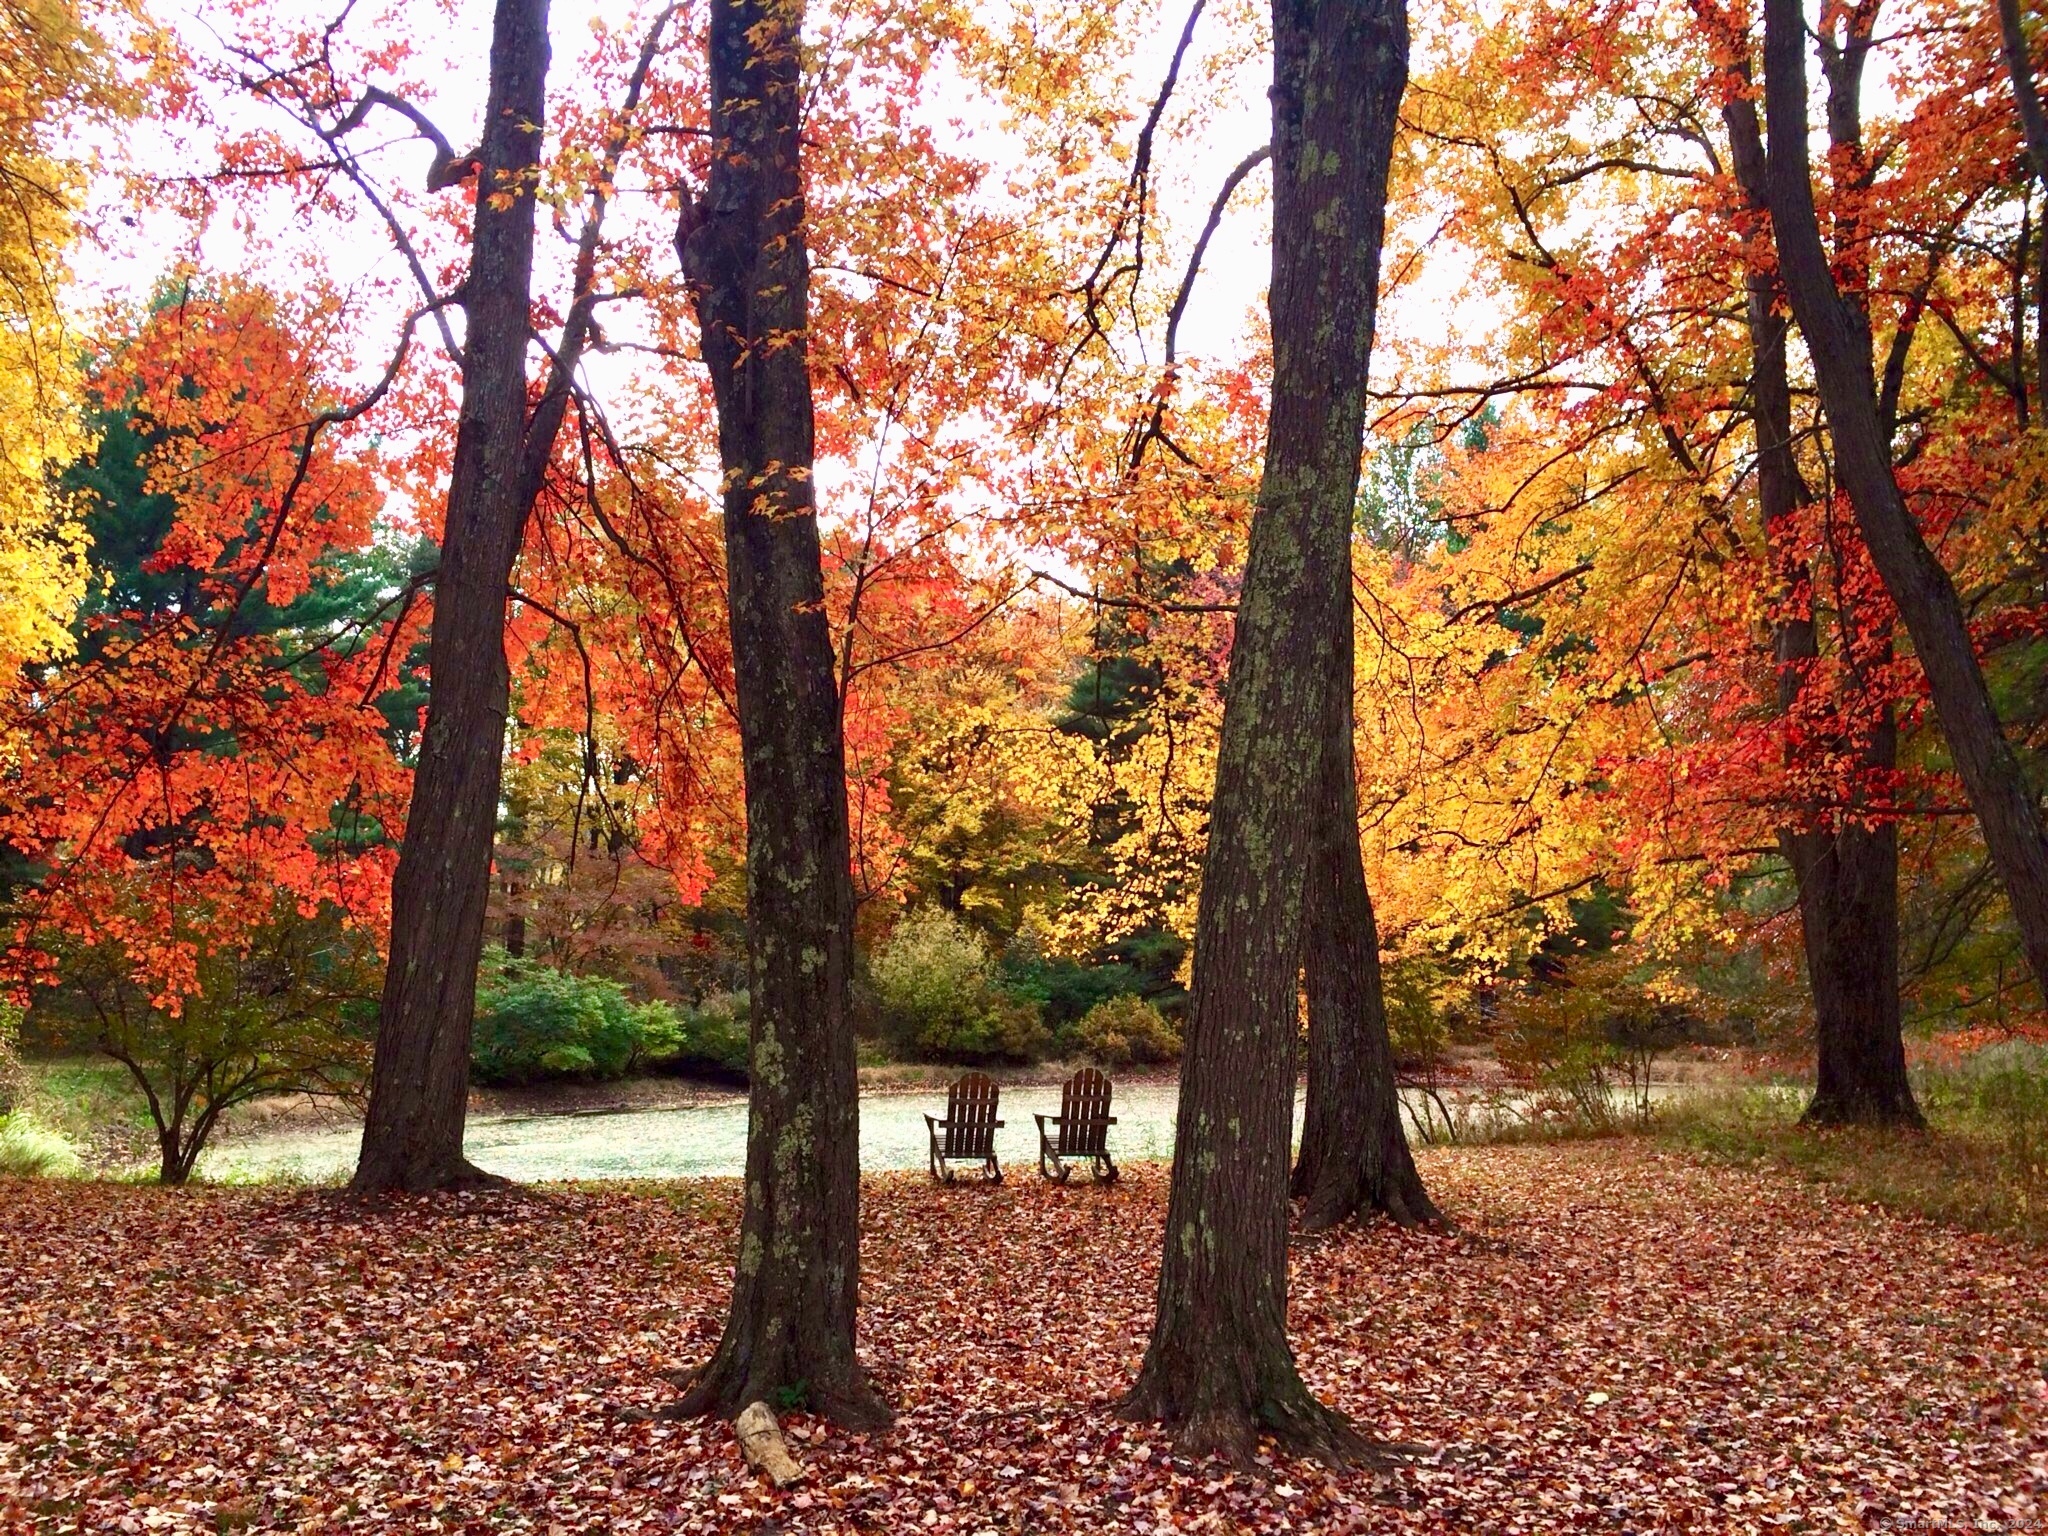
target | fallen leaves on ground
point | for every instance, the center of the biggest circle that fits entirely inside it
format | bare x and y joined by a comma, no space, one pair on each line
1618,1340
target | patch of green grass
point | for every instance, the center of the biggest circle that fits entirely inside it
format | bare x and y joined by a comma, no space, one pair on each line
1509,1132
233,1175
32,1151
694,1198
1510,1116
1959,1171
92,1103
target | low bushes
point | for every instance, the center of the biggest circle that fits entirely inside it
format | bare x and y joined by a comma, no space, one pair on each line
291,1008
712,1040
1065,988
1583,1040
534,1022
1127,1031
932,991
937,996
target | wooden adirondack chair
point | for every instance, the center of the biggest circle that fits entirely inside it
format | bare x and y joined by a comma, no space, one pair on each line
968,1133
1083,1129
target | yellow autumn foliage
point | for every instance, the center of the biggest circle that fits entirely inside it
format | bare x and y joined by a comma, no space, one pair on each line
52,68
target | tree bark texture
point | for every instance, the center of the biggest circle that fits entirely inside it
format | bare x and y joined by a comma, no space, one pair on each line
2026,97
1849,919
412,1135
1848,873
1219,1368
790,1330
1354,1160
1838,340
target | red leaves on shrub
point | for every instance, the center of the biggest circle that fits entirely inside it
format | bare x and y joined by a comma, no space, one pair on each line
1620,1341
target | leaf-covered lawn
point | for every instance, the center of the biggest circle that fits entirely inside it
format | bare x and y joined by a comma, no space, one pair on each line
1620,1340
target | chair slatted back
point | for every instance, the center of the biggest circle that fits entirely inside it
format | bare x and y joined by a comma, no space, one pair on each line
1084,1114
971,1116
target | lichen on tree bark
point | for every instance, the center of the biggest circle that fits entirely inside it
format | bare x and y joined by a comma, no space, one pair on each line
1219,1369
789,1335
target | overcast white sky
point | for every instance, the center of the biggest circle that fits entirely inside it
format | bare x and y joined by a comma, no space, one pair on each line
1226,123
1220,113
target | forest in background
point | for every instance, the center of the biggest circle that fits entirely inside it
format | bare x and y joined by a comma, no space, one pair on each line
1604,687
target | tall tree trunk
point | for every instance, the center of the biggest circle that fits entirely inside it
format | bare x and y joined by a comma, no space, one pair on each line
1848,874
1849,916
1219,1367
2026,98
1838,340
412,1136
1354,1158
791,1326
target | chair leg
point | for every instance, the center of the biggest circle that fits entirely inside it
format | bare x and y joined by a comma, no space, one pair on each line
995,1172
1105,1170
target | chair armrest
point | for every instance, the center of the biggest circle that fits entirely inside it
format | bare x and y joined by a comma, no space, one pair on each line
932,1124
1045,1120
999,1125
1109,1120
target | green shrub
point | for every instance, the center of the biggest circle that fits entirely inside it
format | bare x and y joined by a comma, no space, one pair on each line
1066,989
534,1022
709,1039
659,1036
1417,1029
291,1008
1127,1031
29,1151
1143,965
937,996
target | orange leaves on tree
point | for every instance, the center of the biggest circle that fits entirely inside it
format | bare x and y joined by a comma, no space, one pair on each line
212,746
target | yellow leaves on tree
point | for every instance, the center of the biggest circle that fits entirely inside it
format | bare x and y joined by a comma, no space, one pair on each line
52,68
